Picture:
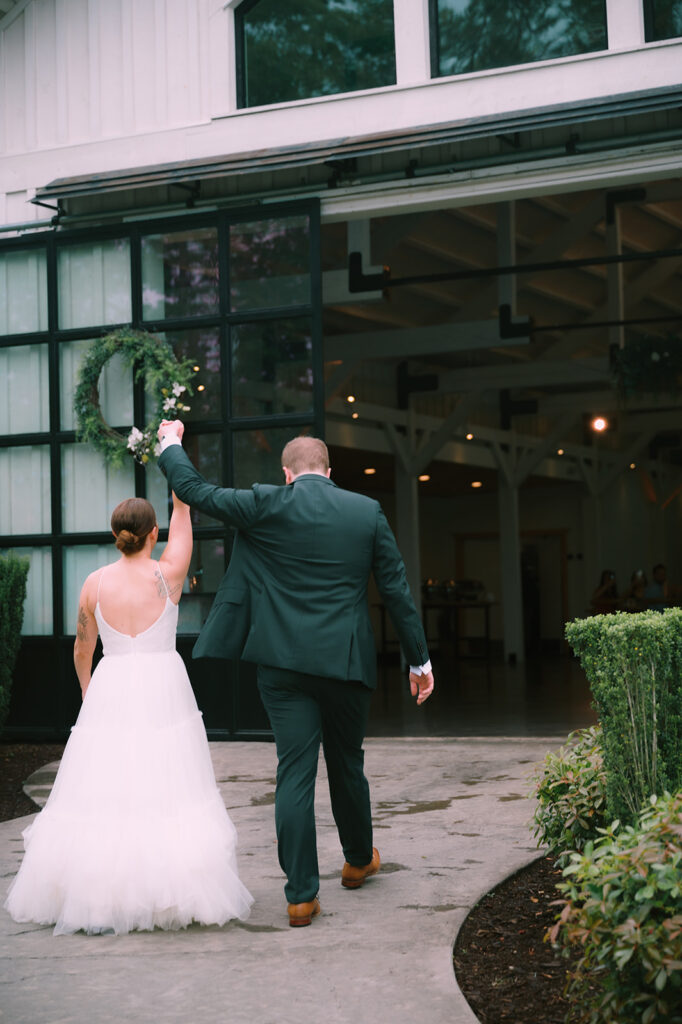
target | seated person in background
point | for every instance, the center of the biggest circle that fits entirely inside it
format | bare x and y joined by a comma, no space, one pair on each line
605,597
660,593
633,598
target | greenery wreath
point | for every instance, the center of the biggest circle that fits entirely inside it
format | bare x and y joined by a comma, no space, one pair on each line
166,380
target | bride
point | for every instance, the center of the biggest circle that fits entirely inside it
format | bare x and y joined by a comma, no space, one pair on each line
135,834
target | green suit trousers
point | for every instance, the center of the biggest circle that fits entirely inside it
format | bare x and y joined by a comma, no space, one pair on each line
304,711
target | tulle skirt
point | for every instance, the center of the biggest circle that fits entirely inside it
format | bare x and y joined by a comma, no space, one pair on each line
135,834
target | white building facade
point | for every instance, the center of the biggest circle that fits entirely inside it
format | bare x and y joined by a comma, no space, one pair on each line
458,212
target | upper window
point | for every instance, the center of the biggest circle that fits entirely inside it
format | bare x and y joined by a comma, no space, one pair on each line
663,19
471,35
302,48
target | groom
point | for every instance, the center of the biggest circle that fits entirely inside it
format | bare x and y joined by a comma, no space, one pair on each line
294,600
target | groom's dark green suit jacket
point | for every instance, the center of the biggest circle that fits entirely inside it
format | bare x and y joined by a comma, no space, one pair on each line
295,592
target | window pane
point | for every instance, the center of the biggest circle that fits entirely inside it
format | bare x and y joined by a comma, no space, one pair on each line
272,370
158,495
94,284
23,292
205,573
91,489
307,48
180,274
24,394
115,386
38,605
478,34
79,562
257,454
665,21
270,263
206,452
202,346
25,490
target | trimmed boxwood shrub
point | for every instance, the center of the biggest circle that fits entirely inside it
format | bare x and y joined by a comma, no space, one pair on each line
13,573
570,787
633,663
623,919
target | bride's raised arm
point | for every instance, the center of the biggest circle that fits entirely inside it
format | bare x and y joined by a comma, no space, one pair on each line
176,557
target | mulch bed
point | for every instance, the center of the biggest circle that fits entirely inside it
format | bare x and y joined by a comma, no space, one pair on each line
503,966
17,762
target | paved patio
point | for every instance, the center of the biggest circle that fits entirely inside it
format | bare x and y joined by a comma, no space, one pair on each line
451,819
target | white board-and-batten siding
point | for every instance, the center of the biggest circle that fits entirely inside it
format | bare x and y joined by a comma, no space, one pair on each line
75,71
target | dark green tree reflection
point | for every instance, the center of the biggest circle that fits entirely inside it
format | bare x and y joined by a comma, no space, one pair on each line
478,34
664,19
301,48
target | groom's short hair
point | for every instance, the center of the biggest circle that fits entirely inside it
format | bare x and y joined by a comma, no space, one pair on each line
306,455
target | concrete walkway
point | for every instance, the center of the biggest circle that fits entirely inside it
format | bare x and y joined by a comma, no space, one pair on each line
451,819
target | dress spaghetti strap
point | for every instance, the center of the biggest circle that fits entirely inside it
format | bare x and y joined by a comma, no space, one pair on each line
164,579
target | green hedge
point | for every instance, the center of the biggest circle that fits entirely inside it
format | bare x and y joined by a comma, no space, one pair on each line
633,663
13,573
622,919
570,787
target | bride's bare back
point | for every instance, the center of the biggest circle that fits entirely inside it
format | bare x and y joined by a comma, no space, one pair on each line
132,591
132,594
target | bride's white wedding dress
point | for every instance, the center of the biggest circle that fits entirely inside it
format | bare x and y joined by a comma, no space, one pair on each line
135,834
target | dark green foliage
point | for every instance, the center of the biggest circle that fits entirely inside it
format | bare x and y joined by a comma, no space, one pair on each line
666,19
154,363
13,573
648,366
500,33
634,666
570,788
623,919
305,48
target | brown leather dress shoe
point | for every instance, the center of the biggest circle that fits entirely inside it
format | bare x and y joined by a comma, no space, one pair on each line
301,914
353,878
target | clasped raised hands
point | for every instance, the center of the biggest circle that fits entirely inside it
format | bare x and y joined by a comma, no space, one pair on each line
169,427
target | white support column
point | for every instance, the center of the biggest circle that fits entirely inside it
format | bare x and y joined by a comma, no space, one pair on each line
506,254
616,304
625,24
510,570
407,527
412,44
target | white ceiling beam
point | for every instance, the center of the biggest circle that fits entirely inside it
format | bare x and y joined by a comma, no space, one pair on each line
452,423
417,341
531,459
526,375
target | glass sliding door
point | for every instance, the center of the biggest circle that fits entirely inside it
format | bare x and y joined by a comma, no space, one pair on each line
237,294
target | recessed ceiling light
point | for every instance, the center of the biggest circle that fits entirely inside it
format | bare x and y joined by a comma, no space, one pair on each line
599,424
355,415
424,477
633,465
470,437
560,451
477,483
369,471
350,398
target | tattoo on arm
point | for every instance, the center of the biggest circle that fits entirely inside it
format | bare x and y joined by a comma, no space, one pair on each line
160,585
82,630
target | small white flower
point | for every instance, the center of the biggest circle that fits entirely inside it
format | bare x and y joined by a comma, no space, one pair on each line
178,389
134,438
168,403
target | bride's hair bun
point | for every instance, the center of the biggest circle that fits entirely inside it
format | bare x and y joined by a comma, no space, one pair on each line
127,542
132,521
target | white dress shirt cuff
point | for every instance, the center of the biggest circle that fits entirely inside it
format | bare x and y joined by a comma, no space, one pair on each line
167,440
421,670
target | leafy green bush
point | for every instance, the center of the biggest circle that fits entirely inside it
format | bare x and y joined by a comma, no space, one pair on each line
634,666
623,916
13,573
570,788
